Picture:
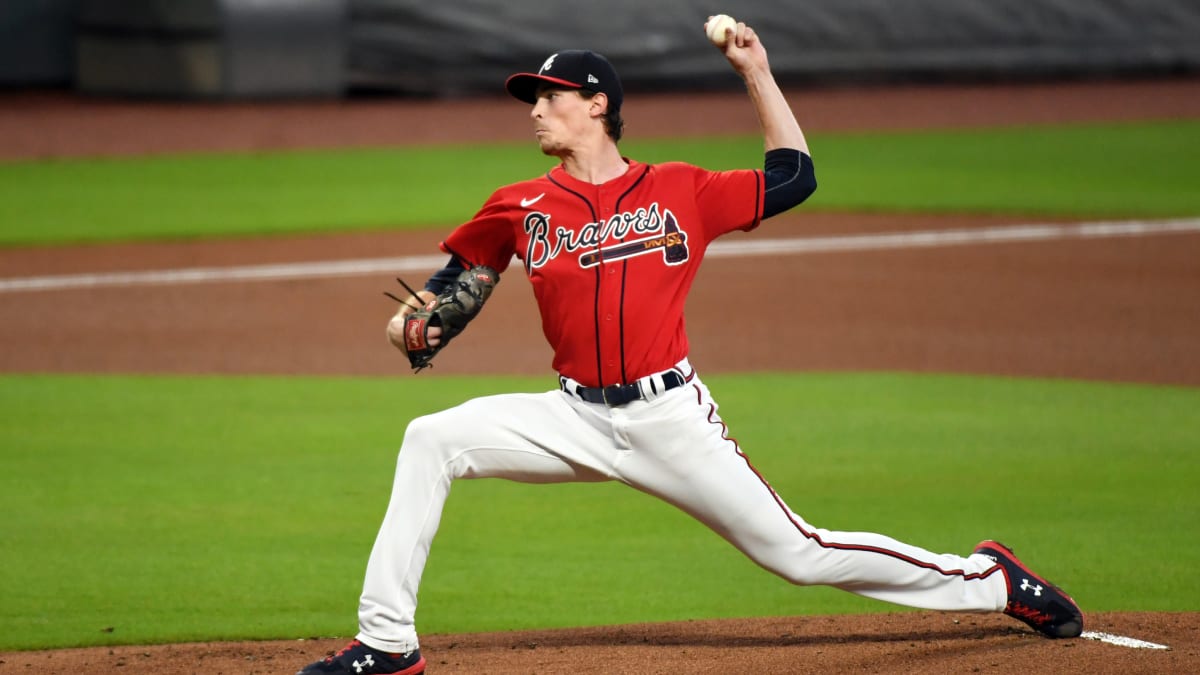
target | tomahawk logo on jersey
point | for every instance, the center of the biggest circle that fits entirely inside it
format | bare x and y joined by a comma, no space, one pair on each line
586,247
655,231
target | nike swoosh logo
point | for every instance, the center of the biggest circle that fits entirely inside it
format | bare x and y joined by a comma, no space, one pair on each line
526,203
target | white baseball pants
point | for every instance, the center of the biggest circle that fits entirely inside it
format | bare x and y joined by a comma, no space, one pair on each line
673,447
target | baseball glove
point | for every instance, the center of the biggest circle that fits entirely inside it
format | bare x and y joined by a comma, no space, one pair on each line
451,310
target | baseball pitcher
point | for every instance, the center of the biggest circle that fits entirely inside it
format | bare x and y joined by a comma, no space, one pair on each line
611,246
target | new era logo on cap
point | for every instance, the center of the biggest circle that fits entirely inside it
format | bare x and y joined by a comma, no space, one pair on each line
572,69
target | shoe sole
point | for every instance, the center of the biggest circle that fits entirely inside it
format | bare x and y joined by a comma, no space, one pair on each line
417,668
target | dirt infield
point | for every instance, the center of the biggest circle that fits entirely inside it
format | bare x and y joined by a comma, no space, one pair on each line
921,642
1120,308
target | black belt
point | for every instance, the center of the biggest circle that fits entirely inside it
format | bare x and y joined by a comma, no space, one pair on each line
620,394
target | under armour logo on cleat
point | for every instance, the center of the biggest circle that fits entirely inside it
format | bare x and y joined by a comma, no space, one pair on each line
367,661
1037,589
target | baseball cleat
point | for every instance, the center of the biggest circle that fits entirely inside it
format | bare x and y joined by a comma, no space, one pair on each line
1031,598
359,659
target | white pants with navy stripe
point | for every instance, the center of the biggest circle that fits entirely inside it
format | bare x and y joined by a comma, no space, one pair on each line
673,447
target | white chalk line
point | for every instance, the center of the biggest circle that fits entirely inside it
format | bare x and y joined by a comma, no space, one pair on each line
275,272
720,249
932,238
1121,640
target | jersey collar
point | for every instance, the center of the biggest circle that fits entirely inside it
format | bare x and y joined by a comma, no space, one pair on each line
632,173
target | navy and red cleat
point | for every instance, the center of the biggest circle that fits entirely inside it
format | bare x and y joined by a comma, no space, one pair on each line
359,659
1032,599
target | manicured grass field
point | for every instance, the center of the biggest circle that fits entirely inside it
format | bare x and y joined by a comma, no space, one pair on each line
1114,170
161,509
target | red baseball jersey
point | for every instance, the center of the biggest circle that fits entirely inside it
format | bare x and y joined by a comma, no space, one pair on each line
611,265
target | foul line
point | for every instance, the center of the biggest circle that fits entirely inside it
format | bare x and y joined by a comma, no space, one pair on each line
277,272
1121,640
760,247
932,238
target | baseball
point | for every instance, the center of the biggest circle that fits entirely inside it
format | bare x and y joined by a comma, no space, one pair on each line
716,28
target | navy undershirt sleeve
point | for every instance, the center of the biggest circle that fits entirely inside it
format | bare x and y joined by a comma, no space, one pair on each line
790,179
443,277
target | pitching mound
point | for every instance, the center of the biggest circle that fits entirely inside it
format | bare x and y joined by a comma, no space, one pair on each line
922,642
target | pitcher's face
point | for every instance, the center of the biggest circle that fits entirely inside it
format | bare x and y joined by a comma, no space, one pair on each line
562,118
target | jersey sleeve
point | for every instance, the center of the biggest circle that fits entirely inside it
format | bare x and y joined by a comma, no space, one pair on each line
729,200
487,238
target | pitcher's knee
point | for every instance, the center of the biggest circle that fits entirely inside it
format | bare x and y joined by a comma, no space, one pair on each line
801,577
426,437
799,569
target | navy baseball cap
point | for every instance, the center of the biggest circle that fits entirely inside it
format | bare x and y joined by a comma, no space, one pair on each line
573,69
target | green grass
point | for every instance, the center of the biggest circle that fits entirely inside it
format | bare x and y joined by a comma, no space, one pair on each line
160,509
1146,170
204,195
1110,170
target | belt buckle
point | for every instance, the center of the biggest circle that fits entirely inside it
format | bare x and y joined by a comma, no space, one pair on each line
620,395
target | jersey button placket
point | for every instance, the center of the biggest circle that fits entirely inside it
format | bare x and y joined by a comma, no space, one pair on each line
610,297
611,331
